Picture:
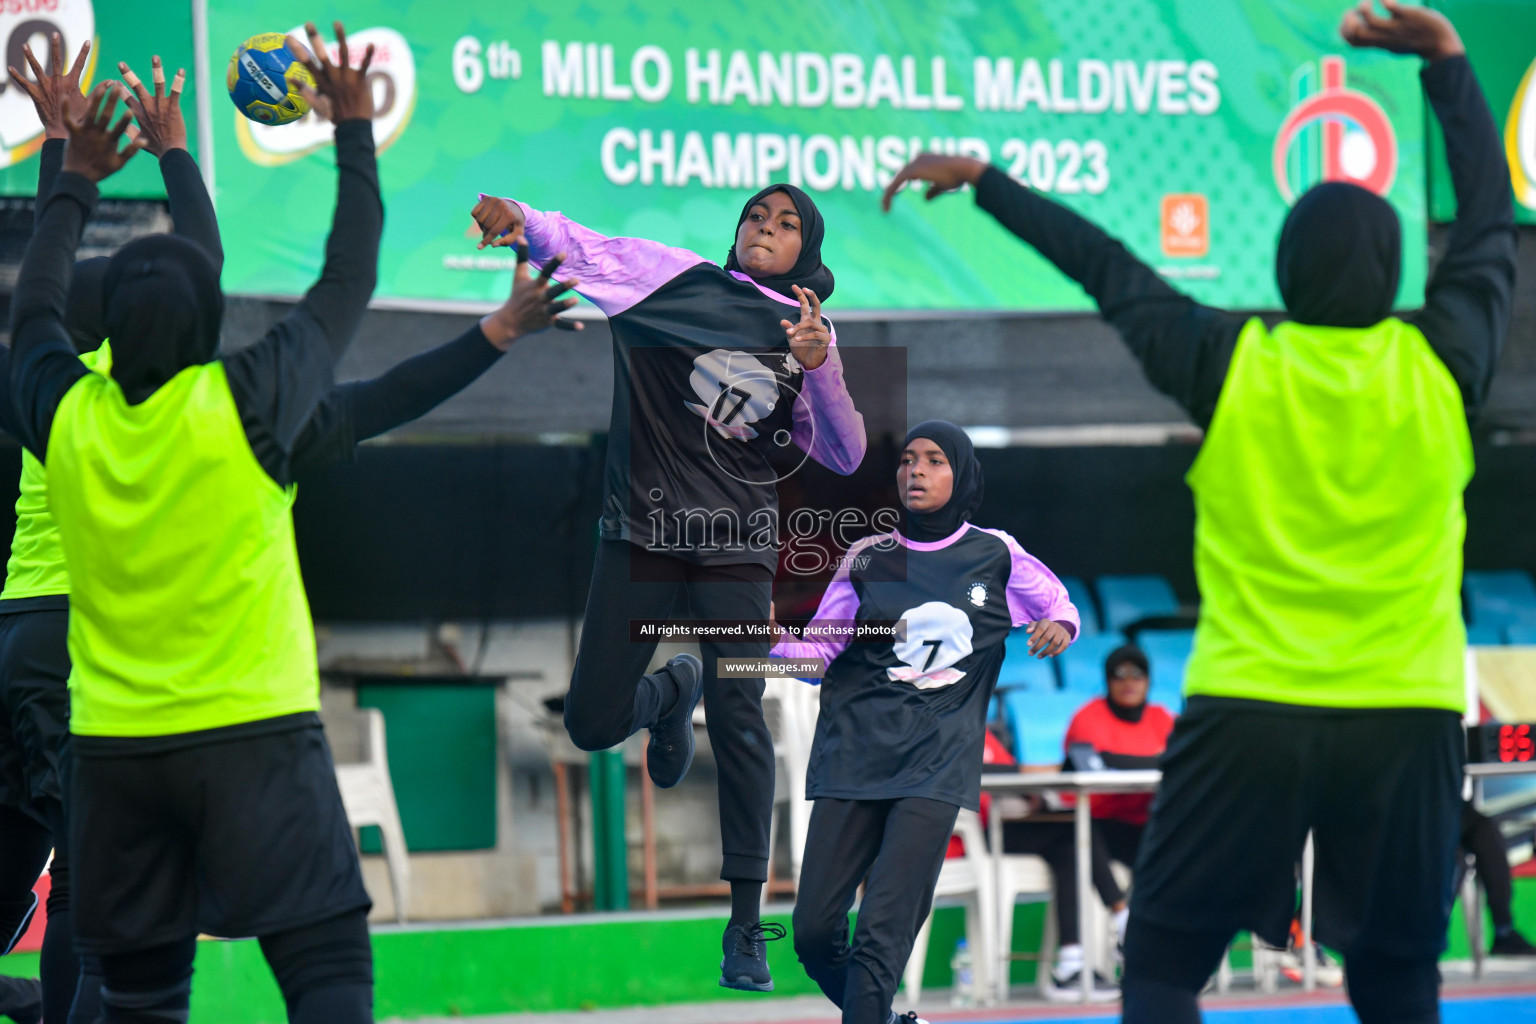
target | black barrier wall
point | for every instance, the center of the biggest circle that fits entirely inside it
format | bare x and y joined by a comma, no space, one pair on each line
424,532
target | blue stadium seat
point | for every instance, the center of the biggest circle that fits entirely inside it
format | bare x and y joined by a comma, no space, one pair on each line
1078,591
1518,634
1491,636
1020,669
1500,598
1168,652
1082,664
1039,723
1126,599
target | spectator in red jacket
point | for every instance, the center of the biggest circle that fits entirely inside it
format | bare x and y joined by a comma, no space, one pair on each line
1127,732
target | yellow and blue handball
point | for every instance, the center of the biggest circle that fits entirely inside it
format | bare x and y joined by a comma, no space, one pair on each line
264,79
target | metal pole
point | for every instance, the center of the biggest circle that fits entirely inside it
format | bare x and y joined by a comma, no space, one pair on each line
1083,834
564,837
648,823
995,849
202,77
609,852
1308,951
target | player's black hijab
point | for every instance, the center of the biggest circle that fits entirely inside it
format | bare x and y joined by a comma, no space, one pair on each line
968,489
1339,257
808,271
162,311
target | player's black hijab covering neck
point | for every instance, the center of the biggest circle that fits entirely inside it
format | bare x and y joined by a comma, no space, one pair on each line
163,308
808,271
1129,654
1339,258
969,488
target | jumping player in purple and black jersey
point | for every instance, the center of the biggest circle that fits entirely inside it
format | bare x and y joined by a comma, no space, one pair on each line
713,376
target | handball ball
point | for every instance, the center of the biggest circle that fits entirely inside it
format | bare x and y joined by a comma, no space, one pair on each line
264,80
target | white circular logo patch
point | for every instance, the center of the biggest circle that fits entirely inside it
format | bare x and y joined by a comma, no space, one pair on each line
938,636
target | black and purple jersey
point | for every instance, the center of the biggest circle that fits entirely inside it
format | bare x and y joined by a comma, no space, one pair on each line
706,396
907,718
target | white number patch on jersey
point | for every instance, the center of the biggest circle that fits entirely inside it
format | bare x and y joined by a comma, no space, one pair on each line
938,636
735,390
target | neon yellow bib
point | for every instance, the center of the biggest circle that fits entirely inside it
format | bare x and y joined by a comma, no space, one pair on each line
187,610
1329,522
36,566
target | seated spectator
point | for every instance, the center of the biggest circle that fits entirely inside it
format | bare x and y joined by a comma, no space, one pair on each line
1481,837
1127,732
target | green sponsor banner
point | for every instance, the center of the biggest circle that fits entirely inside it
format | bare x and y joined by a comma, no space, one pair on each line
1183,126
1501,43
119,30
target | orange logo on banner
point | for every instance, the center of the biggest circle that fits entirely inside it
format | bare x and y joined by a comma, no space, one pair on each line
1186,225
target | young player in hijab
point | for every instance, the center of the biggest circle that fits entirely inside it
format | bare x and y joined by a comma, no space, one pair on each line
899,741
34,605
164,695
714,374
33,658
1328,495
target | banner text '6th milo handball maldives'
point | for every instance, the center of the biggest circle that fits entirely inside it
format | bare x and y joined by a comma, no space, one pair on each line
1184,126
118,31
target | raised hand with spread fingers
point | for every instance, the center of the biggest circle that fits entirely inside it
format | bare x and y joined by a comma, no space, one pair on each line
93,151
341,92
158,114
533,304
56,94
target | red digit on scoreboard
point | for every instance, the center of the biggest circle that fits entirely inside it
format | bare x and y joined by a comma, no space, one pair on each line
1515,743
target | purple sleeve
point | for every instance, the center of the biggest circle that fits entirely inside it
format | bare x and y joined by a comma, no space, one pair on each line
614,273
826,425
840,603
1034,592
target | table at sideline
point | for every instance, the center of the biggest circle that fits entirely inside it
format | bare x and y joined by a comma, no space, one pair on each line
1140,781
1081,783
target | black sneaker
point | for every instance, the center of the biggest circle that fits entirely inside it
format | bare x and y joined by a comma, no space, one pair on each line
745,966
910,1017
671,751
1512,944
21,999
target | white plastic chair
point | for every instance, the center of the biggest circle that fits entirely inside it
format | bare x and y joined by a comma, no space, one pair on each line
1023,874
968,877
791,707
362,775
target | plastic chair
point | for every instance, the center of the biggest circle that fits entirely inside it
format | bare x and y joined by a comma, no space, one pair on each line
1022,669
1167,653
1082,664
791,707
1038,722
1127,599
1082,597
1516,634
357,745
1493,636
1500,598
1023,874
968,877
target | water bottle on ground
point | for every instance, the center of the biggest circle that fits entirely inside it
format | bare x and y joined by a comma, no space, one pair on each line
962,990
